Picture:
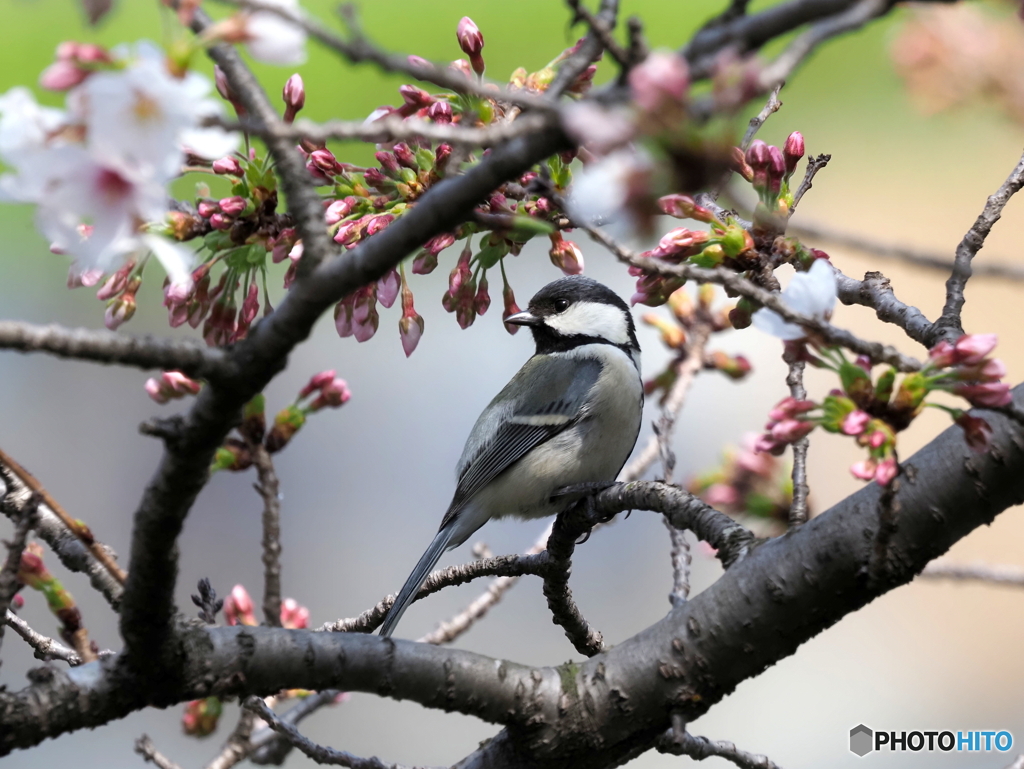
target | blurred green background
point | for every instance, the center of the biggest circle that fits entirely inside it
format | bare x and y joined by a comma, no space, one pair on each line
365,486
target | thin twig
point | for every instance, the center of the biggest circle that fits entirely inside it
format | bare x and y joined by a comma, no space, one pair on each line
876,292
9,582
814,164
269,488
269,747
782,67
587,52
238,746
981,572
770,108
391,128
72,553
145,748
736,282
359,48
686,371
679,742
916,256
603,31
44,648
319,753
795,381
98,551
949,323
144,352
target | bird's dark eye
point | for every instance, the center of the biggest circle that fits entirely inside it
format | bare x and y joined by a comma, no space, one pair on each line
561,305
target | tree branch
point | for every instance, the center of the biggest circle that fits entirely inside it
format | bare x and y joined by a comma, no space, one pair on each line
682,743
795,381
949,325
15,495
319,753
268,488
980,572
44,648
876,292
144,747
145,352
9,582
687,662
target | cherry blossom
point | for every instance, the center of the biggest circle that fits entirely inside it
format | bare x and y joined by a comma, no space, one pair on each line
811,293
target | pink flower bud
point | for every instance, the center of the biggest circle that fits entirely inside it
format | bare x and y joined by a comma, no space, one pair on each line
343,317
877,439
221,222
415,99
887,470
565,255
410,326
294,616
388,162
339,209
365,319
790,408
207,208
942,355
757,155
424,263
388,287
405,156
116,283
988,394
440,112
483,299
721,495
379,223
419,61
776,169
334,394
865,469
972,348
232,206
171,385
63,76
991,370
350,232
229,166
462,67
439,243
684,207
316,382
767,444
294,95
855,422
250,305
793,151
238,608
660,80
471,41
119,310
511,308
791,430
324,160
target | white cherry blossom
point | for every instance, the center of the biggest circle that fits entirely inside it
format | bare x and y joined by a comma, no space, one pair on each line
810,293
274,40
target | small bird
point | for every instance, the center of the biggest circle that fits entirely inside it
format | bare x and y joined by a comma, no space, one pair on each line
570,415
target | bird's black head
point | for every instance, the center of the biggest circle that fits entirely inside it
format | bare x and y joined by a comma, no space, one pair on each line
574,311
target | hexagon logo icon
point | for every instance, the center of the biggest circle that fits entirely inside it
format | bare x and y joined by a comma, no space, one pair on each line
860,740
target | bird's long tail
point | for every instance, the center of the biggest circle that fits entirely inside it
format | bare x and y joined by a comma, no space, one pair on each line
412,585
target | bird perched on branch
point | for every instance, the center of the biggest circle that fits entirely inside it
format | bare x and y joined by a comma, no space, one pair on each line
571,415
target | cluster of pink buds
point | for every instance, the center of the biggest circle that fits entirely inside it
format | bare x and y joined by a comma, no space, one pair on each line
874,410
770,170
118,291
465,296
749,484
201,717
75,62
170,386
725,243
538,82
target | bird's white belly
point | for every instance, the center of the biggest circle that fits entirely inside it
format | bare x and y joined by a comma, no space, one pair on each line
592,450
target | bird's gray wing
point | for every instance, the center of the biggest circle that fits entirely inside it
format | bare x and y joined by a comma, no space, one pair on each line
521,417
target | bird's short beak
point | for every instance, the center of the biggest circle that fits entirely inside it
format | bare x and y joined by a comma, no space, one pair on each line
524,318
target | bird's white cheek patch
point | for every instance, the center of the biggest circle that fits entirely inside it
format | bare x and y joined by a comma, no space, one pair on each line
592,319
